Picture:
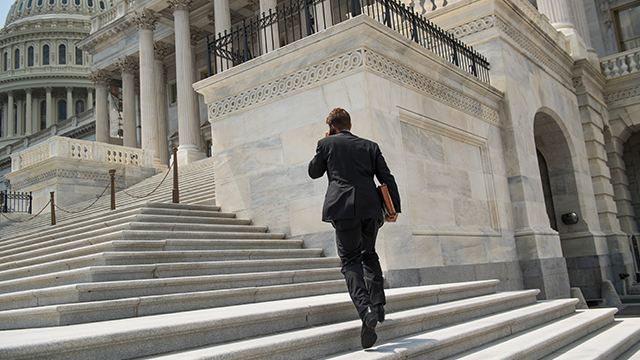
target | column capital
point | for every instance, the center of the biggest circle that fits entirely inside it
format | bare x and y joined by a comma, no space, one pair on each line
28,91
196,34
69,88
48,89
10,93
100,77
127,64
161,49
145,19
180,5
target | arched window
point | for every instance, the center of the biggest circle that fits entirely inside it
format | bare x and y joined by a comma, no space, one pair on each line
62,54
29,4
45,55
62,110
5,61
51,2
22,3
43,115
79,106
90,3
78,2
64,2
102,6
16,59
30,56
78,56
39,2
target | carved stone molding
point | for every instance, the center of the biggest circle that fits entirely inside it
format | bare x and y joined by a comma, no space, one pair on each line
180,5
60,173
622,94
473,27
162,49
346,63
127,64
100,77
145,19
196,34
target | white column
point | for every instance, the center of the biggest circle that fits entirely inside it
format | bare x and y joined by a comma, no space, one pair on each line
128,66
70,107
29,113
558,12
101,79
3,104
270,36
20,116
146,22
162,50
188,114
89,99
195,37
10,114
222,23
49,107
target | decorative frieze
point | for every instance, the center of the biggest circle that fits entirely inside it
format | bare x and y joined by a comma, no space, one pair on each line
622,94
473,27
196,34
145,19
345,63
100,77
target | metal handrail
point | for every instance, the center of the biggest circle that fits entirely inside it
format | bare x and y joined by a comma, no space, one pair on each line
16,202
301,18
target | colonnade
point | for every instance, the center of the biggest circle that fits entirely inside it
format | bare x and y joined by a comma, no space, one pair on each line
30,110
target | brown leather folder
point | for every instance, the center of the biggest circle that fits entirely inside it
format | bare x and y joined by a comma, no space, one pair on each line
387,204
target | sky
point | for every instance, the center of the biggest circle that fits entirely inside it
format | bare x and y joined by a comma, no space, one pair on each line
4,9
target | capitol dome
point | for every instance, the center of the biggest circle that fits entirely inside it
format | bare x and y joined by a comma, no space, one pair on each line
43,74
25,9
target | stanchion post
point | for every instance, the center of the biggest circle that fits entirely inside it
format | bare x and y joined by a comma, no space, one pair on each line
176,190
53,208
112,173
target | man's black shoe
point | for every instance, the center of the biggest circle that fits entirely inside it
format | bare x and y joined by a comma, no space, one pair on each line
370,318
368,336
380,310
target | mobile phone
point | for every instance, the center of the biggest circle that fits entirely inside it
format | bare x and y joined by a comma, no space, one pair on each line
332,130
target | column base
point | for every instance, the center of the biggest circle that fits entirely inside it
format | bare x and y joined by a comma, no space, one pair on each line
548,275
188,154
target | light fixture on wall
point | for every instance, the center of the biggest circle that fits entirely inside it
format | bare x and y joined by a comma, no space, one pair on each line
570,218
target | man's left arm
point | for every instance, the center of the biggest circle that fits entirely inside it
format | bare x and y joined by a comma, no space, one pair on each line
384,176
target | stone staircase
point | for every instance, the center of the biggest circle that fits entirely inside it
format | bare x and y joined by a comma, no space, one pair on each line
158,280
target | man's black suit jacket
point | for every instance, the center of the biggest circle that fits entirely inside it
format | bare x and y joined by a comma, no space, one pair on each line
351,163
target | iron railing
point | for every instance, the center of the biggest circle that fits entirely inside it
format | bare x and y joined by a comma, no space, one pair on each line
300,18
15,202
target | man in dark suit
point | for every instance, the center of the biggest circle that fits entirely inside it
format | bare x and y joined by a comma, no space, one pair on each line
353,206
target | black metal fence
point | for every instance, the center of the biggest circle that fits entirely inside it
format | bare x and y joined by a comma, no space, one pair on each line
300,18
15,202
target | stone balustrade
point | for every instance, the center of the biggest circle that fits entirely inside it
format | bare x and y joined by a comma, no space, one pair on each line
620,64
109,15
62,147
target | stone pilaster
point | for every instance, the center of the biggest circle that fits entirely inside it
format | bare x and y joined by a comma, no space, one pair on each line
162,49
89,98
49,107
188,114
145,21
29,112
10,114
128,66
19,116
70,106
101,79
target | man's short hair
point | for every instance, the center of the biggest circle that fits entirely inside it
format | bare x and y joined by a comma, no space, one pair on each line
339,118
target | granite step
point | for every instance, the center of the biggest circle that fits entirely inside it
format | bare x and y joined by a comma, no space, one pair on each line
610,342
156,334
21,269
525,333
82,230
112,290
169,270
93,311
317,342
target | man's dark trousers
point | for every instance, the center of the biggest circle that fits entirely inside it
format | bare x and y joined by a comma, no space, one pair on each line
356,240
